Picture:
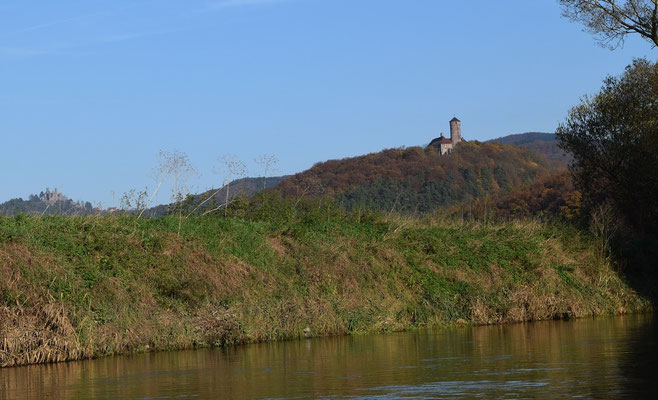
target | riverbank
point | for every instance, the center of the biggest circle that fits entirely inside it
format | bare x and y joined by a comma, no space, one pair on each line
83,287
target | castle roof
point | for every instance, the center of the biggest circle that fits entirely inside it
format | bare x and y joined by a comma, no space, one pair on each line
440,140
455,120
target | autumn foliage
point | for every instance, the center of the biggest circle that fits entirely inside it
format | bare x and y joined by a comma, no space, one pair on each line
550,196
420,180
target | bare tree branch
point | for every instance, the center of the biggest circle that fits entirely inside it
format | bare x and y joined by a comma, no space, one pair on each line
233,168
268,163
613,20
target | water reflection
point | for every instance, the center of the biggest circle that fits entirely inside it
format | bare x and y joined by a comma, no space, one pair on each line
600,358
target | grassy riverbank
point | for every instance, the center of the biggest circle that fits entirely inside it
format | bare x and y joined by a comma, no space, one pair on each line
74,288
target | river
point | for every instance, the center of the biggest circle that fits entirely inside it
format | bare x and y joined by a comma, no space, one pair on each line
592,358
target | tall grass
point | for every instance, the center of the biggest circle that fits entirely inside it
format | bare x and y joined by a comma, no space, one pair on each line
82,287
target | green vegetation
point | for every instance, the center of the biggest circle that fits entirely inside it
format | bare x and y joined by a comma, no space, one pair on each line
82,287
37,205
397,240
613,137
416,180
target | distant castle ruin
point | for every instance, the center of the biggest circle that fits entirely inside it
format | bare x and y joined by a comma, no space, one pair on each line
444,145
51,197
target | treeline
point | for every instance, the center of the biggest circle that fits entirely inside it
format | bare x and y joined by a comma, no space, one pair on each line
408,180
34,205
614,139
550,197
417,180
214,199
544,143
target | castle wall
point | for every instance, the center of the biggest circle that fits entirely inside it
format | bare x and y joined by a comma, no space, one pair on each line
444,145
446,148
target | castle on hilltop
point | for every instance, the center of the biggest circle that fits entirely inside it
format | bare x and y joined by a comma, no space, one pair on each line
444,145
51,197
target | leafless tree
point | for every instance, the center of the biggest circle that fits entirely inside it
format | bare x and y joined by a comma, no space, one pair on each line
268,163
207,199
175,165
99,207
126,202
133,200
612,20
181,172
234,168
161,176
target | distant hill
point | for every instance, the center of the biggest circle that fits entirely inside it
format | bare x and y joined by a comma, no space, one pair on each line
47,203
525,138
407,179
243,187
54,203
420,180
544,143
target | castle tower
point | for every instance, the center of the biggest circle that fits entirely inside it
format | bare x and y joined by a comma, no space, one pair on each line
455,131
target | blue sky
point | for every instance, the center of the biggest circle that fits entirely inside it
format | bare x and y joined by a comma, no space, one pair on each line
90,91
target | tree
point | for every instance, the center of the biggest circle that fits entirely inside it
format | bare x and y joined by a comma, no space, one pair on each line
233,168
175,165
613,137
178,167
612,20
268,163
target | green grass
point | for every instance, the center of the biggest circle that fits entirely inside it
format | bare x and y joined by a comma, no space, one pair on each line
89,286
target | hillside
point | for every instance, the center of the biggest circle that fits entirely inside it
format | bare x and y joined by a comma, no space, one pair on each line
544,143
521,139
81,287
243,187
551,197
47,203
418,180
409,180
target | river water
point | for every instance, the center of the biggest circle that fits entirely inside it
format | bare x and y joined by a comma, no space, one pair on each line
593,358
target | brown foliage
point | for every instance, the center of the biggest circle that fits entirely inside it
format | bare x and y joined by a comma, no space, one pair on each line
335,177
553,195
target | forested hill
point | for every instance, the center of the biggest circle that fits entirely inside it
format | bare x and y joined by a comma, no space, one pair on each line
420,180
544,143
521,139
40,205
213,198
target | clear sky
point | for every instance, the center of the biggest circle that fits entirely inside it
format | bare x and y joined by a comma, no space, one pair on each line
90,91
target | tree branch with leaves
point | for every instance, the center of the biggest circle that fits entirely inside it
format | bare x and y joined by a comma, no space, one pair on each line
612,20
613,137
